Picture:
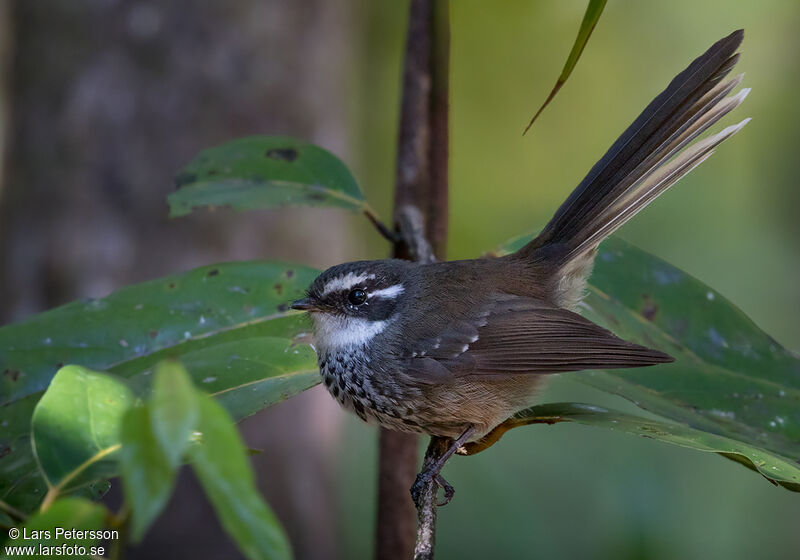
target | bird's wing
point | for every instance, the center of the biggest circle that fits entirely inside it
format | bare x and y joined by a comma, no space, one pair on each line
516,335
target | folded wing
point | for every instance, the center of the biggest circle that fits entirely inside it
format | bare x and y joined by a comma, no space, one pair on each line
516,335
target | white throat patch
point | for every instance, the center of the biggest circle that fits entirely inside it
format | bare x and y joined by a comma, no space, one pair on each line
337,332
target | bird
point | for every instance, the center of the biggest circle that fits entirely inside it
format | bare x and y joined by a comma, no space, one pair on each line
454,348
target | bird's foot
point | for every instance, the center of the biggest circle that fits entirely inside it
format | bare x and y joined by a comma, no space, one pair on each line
449,491
428,477
439,451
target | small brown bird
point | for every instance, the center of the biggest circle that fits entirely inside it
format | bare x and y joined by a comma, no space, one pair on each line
454,348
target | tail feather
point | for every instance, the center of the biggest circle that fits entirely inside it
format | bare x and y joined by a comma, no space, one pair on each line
642,163
657,180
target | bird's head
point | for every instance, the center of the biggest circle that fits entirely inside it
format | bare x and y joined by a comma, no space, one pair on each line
352,302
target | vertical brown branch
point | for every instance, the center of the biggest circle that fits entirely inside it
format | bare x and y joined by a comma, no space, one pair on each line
421,182
438,203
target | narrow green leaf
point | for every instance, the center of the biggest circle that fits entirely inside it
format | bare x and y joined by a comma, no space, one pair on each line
779,470
66,514
147,474
593,11
221,463
75,426
729,377
265,172
173,410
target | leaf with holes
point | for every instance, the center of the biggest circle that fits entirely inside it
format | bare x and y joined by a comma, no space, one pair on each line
230,323
265,172
778,470
729,377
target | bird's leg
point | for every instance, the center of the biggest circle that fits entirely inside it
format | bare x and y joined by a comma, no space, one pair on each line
435,458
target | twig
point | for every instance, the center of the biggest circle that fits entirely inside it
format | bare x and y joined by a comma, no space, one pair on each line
426,509
13,512
412,232
382,228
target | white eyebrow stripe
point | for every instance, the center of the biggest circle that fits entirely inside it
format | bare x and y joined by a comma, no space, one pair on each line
390,292
345,282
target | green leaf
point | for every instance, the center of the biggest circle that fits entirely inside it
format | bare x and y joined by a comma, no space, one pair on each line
148,477
593,11
248,375
265,172
221,464
729,377
173,410
774,468
21,482
154,439
137,326
67,514
75,426
212,317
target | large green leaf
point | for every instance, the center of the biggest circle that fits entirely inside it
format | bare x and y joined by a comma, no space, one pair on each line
230,320
774,468
75,426
265,172
248,375
221,463
135,327
729,377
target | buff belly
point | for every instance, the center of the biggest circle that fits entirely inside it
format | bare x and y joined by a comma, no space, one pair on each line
443,409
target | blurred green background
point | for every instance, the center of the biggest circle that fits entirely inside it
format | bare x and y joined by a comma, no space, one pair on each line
568,491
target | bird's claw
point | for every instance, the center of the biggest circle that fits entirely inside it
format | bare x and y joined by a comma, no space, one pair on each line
424,479
449,491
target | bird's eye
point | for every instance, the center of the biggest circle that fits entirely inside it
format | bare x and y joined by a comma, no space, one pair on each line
357,297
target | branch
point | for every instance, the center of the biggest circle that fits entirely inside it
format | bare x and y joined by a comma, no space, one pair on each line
411,224
421,207
426,508
373,218
12,512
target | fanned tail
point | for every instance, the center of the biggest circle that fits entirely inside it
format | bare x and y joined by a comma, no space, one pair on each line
648,158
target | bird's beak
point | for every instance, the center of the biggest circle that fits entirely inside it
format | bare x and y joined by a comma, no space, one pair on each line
304,304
